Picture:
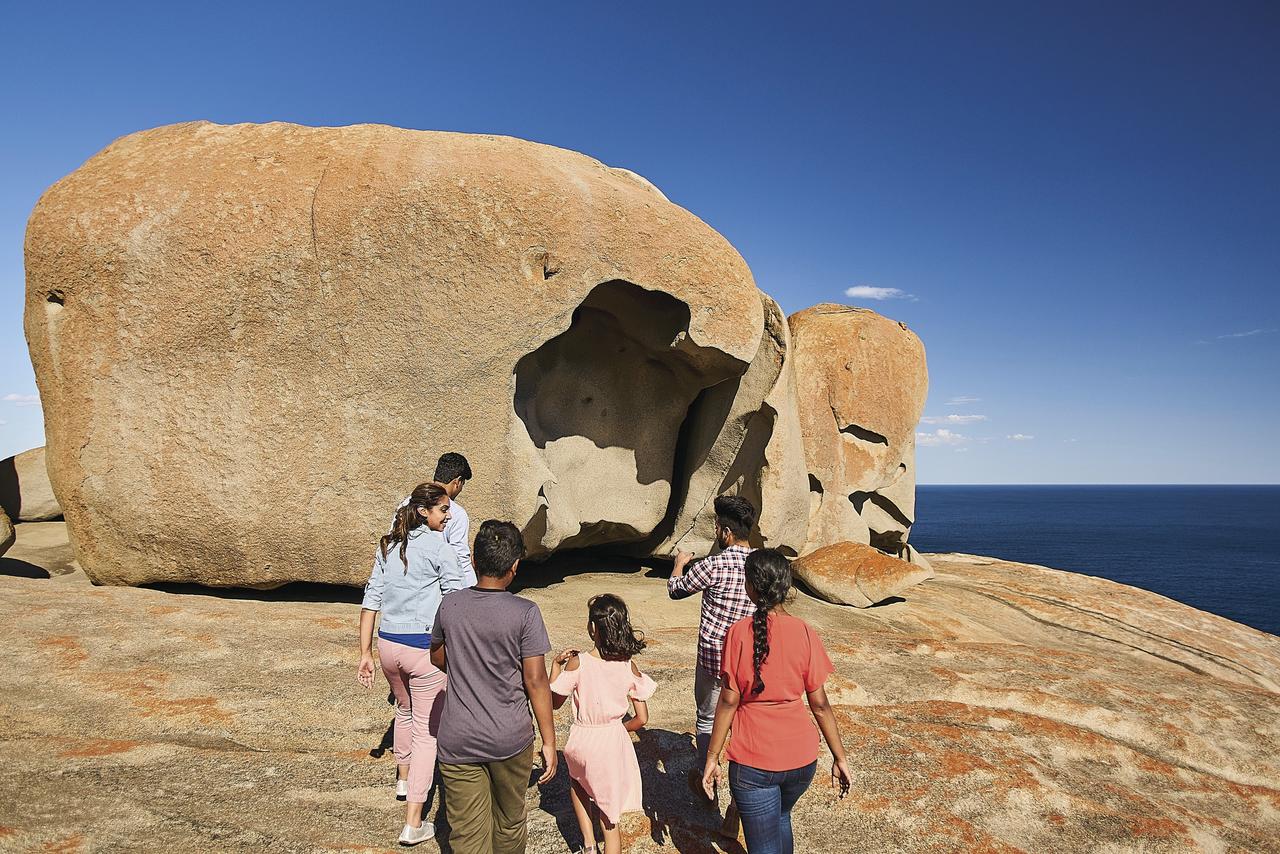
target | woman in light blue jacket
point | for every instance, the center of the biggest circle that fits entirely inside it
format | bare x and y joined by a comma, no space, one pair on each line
412,570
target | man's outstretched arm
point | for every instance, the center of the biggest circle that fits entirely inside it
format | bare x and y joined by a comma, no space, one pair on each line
685,582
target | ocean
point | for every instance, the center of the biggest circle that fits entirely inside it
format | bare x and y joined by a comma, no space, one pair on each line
1216,548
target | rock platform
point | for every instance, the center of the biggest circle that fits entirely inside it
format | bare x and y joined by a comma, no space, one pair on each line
998,707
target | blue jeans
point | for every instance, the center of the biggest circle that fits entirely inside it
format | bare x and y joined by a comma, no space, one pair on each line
764,800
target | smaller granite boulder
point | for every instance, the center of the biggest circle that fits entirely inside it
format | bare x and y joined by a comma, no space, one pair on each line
856,574
25,491
6,532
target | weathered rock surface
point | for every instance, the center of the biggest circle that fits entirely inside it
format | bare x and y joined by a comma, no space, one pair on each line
857,574
6,532
242,333
25,491
744,438
1000,707
227,320
861,386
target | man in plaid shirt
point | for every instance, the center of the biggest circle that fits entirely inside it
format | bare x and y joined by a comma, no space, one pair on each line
721,579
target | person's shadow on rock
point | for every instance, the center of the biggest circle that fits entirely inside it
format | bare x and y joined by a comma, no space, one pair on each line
553,799
435,795
666,758
388,741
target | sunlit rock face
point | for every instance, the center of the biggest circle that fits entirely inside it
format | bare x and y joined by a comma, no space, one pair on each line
861,387
251,341
857,574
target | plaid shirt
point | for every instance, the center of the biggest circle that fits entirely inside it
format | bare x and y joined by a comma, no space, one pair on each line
721,579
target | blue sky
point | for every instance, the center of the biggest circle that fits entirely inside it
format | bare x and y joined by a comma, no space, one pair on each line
1081,199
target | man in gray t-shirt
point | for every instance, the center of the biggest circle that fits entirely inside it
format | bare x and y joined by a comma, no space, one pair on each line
492,644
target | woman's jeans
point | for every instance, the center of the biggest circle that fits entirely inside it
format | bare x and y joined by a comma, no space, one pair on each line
764,800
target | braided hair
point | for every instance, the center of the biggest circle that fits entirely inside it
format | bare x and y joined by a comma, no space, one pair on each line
615,638
408,519
769,574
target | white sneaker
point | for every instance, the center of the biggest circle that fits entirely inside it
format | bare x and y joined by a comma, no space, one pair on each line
413,835
402,790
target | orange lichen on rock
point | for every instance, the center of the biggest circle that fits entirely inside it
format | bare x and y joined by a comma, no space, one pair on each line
99,747
851,573
69,650
72,844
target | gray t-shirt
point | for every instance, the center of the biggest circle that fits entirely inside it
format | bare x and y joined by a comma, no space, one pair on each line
487,634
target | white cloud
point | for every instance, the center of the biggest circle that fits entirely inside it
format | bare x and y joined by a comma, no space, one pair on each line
963,400
872,292
22,399
1249,334
962,450
941,436
952,419
1021,437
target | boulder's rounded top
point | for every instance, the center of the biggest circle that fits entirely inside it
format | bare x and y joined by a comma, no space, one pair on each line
233,321
845,316
486,197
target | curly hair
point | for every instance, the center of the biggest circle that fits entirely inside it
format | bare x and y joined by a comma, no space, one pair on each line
769,574
615,637
408,519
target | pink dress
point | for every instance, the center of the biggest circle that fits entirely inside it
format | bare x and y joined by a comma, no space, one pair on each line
599,753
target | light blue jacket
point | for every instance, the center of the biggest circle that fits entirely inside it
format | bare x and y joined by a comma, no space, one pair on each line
409,600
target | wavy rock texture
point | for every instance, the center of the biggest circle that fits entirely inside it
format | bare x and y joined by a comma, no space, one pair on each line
1000,707
244,333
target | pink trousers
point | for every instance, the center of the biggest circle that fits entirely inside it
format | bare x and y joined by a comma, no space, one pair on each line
419,689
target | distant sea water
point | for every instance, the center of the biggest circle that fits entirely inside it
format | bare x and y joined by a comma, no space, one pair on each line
1216,548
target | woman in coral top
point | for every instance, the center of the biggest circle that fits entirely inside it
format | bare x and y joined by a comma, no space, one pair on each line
771,659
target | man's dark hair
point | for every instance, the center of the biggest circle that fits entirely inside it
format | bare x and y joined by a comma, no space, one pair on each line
735,513
498,545
451,466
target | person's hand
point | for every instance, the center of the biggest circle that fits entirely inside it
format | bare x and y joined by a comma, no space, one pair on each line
549,761
562,657
682,560
364,673
840,776
711,777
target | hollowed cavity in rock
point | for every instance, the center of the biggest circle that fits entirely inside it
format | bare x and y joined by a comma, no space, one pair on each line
604,402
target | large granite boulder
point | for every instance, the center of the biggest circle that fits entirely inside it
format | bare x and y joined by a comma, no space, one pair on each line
861,386
25,491
857,574
251,340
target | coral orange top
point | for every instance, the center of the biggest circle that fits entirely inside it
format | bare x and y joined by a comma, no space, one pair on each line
773,730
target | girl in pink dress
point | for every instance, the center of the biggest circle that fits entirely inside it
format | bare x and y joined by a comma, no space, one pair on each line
605,685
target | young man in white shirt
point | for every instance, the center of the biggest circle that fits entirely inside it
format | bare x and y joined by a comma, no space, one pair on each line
452,472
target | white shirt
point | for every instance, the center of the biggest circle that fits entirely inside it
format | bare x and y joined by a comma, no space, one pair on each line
457,533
